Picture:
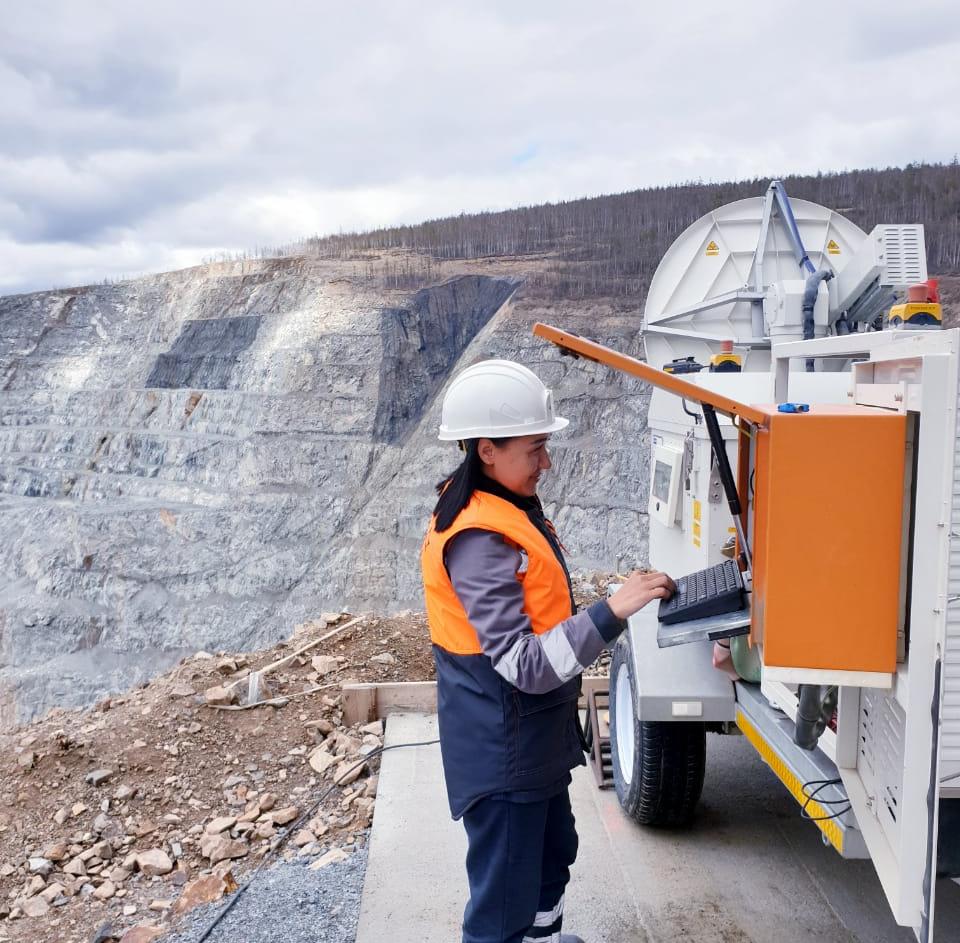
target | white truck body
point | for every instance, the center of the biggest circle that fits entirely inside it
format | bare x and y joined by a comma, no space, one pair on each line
736,274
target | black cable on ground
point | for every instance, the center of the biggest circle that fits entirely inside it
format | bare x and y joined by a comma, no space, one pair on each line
305,816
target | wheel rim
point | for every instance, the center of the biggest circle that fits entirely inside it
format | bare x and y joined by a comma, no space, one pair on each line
624,723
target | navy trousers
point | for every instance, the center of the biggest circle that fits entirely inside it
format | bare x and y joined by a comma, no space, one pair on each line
518,864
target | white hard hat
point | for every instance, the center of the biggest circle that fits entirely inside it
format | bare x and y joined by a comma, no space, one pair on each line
496,399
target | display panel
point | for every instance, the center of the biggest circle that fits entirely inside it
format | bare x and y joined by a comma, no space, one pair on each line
665,484
662,473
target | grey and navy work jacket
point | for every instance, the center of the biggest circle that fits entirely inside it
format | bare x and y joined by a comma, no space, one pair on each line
509,648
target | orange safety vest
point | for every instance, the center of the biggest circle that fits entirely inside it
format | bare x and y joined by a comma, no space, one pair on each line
546,595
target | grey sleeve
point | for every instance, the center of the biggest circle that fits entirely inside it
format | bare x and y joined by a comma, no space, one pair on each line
483,570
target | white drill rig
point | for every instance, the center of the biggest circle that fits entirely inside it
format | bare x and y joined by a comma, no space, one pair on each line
848,681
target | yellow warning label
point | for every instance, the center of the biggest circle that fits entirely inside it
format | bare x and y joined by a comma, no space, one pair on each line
833,248
696,529
696,542
697,508
714,249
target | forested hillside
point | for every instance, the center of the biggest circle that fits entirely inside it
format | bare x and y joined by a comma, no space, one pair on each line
208,458
609,246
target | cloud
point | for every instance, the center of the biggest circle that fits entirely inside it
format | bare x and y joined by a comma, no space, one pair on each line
159,135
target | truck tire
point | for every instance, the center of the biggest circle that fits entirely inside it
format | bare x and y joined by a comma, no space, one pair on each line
658,767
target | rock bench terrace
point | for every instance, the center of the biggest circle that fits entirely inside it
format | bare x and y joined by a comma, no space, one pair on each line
207,458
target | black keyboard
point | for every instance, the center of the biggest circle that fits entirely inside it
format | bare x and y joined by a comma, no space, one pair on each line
710,592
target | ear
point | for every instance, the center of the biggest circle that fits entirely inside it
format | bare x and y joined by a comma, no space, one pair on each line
487,451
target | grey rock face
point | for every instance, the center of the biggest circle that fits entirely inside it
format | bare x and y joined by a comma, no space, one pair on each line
205,353
420,342
204,459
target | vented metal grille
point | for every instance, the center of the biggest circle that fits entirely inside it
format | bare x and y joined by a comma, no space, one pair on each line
904,255
950,706
882,727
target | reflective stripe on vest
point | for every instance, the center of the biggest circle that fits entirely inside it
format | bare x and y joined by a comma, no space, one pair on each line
546,596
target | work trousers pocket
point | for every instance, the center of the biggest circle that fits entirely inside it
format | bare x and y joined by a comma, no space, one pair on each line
546,730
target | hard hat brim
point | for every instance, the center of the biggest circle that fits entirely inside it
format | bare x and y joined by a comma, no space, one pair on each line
503,432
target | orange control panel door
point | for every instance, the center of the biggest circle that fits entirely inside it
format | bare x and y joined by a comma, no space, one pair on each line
828,492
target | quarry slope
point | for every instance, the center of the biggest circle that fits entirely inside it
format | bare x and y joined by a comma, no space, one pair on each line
207,458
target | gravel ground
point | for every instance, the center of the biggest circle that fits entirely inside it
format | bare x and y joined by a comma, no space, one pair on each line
288,904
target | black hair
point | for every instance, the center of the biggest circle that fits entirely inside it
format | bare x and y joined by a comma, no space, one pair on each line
457,489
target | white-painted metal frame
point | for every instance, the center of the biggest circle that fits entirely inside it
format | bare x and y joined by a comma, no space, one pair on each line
893,776
895,741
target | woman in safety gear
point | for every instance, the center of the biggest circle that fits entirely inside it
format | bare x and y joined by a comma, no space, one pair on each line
510,647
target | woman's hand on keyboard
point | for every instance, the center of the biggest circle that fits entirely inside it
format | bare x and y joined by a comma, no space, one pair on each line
638,590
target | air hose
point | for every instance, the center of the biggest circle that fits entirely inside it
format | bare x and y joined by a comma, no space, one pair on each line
810,292
815,708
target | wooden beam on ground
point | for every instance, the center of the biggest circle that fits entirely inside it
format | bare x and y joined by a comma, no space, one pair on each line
364,703
280,662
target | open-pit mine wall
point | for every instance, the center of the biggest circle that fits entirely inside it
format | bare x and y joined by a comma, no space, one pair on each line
206,459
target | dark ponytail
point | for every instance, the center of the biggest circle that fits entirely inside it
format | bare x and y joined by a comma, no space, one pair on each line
457,489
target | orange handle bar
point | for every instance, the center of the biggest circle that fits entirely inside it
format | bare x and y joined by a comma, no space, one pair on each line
580,347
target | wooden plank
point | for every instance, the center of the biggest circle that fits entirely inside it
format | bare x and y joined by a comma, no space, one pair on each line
280,662
407,696
363,703
359,703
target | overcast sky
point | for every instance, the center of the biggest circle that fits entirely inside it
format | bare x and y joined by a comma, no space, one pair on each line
140,137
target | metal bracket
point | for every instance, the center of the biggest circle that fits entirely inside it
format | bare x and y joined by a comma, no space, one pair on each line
715,491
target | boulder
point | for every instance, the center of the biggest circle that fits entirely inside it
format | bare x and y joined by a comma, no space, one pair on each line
218,695
103,850
221,848
284,816
324,664
56,852
221,824
98,777
348,772
267,801
75,867
51,892
35,907
331,857
142,933
304,837
204,890
105,891
321,760
41,866
154,862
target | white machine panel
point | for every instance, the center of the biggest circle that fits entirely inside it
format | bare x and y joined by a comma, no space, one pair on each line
893,256
880,763
950,706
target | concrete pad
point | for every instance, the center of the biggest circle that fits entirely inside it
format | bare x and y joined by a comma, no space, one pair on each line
748,871
415,887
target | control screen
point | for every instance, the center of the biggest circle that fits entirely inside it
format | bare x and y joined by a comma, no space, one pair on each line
661,481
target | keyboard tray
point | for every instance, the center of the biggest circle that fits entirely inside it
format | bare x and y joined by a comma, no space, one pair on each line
727,625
